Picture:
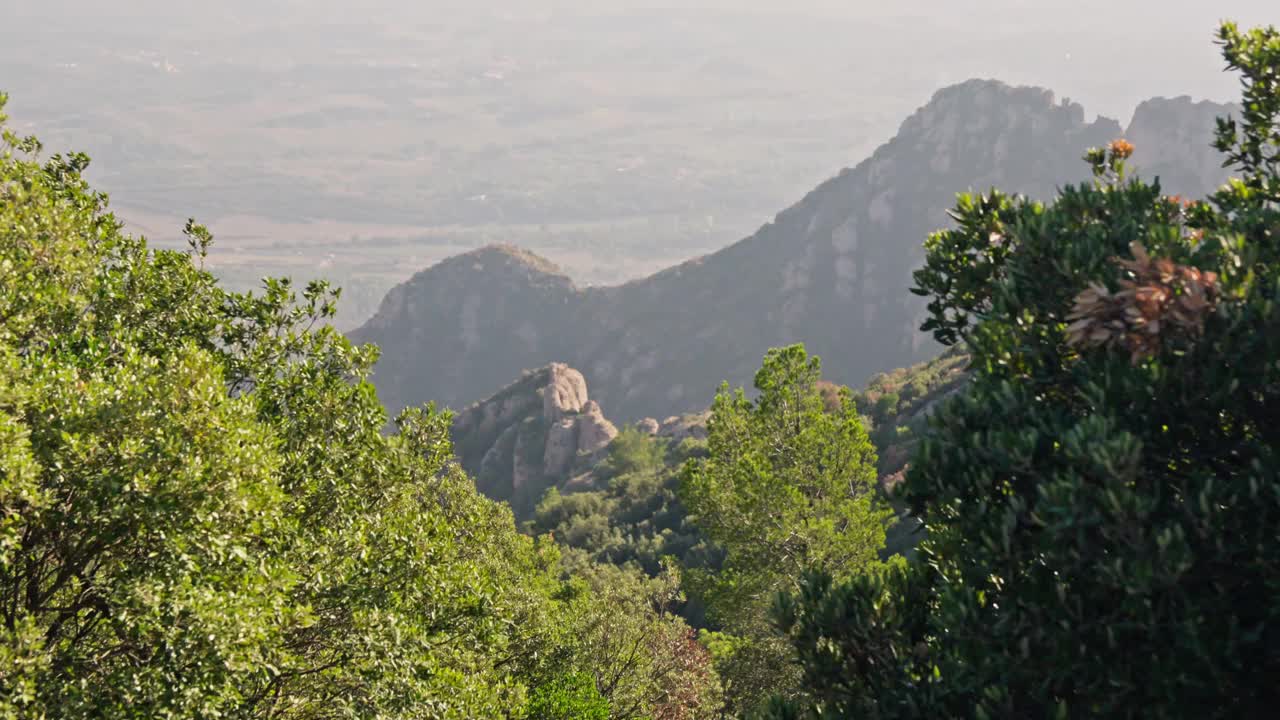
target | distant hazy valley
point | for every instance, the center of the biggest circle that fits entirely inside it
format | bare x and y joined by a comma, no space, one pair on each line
614,138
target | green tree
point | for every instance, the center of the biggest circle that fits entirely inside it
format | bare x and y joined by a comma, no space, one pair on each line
633,451
1103,503
646,662
571,696
636,519
787,486
200,513
137,495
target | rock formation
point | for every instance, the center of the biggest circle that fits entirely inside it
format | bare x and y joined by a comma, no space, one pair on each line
536,433
678,428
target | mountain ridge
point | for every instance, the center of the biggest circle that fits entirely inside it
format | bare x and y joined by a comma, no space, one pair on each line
832,270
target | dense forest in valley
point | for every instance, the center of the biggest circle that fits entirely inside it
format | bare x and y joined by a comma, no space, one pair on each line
206,510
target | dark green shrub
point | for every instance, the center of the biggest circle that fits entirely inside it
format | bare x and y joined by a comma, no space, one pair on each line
1103,502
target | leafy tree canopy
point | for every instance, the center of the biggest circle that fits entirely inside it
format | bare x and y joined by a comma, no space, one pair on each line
787,485
202,516
1102,501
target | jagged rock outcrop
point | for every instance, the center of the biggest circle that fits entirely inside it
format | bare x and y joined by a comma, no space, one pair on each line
833,271
565,392
536,433
595,432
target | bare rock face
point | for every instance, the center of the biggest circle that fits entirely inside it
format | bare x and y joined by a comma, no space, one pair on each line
648,426
541,431
565,392
524,465
561,447
595,432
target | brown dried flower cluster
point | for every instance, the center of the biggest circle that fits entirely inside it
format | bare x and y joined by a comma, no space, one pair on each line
1160,301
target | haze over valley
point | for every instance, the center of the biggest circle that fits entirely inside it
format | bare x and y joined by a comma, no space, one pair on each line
364,143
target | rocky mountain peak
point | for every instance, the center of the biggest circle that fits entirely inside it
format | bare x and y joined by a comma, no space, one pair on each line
469,324
978,106
512,259
565,392
1172,139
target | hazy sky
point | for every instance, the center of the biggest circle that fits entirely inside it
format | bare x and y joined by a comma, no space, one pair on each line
1108,53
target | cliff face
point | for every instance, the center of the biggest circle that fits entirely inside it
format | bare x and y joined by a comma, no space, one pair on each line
832,271
1172,137
536,433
